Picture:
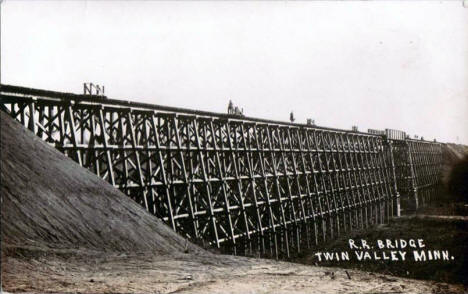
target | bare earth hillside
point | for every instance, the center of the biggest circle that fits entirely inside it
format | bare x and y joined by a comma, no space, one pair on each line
66,230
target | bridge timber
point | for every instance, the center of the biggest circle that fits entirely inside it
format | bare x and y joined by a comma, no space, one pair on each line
242,184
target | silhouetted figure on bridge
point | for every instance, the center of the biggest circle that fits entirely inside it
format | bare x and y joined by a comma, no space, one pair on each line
291,117
230,107
235,110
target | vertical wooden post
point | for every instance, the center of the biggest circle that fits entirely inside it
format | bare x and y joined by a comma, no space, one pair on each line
207,188
32,117
259,144
310,212
223,185
413,175
73,134
296,172
317,190
137,157
235,162
278,189
395,186
92,144
184,173
286,175
148,174
248,151
104,136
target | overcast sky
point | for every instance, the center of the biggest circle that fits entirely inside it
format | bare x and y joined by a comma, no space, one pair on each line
385,64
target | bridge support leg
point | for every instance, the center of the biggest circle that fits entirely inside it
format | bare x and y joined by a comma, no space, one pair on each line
398,205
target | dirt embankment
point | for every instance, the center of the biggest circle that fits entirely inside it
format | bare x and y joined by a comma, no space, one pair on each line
49,200
66,230
452,198
452,155
454,152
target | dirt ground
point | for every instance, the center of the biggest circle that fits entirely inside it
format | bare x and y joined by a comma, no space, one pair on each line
83,271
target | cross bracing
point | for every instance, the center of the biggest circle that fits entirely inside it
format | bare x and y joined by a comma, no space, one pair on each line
242,184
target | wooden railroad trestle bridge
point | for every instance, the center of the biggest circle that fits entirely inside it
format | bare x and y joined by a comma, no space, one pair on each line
241,184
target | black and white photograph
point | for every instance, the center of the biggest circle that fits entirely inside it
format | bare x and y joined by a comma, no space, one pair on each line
233,146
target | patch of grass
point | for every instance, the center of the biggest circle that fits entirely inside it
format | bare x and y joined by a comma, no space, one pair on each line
451,235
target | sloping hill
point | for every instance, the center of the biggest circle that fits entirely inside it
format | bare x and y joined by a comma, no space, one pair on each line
49,200
452,153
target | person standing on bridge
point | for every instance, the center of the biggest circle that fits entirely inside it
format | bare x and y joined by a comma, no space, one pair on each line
230,107
291,117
